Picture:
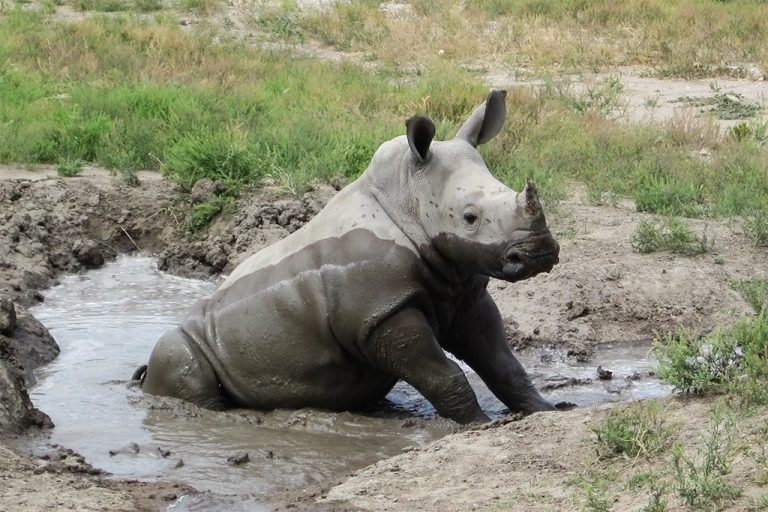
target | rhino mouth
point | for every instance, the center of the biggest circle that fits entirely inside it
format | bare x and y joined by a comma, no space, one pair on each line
518,264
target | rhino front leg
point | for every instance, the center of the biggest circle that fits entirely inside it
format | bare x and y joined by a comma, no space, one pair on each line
478,338
405,346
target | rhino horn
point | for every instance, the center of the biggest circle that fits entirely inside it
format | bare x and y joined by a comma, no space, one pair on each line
420,131
530,198
486,121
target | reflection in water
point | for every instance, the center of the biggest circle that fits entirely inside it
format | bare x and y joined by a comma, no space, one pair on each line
107,321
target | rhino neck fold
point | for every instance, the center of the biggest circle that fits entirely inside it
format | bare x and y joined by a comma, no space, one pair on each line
400,215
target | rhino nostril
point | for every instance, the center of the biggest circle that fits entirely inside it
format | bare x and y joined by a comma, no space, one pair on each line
514,257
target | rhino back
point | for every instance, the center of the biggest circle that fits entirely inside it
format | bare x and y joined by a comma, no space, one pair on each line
291,327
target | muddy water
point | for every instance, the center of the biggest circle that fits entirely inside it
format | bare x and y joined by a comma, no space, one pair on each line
107,321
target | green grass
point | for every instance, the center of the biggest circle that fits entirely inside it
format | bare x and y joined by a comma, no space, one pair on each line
134,94
755,226
730,360
637,430
723,106
69,168
595,497
671,234
754,291
700,480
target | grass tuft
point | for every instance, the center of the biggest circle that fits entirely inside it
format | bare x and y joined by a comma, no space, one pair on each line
671,235
69,168
637,430
730,360
700,481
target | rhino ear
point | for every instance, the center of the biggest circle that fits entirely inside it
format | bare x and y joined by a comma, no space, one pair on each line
486,121
420,131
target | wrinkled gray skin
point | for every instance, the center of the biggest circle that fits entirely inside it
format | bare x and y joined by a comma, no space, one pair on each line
386,278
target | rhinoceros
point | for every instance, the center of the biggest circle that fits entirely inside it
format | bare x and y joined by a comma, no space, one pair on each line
386,279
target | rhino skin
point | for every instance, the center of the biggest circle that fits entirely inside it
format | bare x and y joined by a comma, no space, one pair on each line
390,275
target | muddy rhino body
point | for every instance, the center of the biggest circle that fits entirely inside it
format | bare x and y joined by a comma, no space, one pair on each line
385,279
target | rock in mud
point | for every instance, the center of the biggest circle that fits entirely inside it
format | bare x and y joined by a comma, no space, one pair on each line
206,189
128,449
238,459
576,310
603,374
88,253
16,410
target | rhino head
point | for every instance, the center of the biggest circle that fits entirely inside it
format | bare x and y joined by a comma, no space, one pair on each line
457,212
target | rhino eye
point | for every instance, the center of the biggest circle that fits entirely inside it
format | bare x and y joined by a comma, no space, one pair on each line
470,218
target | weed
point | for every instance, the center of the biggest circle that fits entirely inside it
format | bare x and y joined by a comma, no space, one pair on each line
595,497
637,430
101,5
148,5
641,480
656,500
69,168
758,450
729,360
200,6
670,197
725,106
284,22
226,156
700,480
687,129
754,291
755,226
757,503
672,235
202,214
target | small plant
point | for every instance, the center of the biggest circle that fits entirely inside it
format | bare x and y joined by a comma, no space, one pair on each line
754,291
740,132
595,497
729,360
225,156
203,213
69,168
638,430
672,235
724,106
656,501
148,5
758,503
755,226
758,450
701,482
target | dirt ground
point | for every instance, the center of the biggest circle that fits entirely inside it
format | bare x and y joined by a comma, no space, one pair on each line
542,462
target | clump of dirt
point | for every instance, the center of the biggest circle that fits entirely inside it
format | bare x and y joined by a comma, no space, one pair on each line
260,220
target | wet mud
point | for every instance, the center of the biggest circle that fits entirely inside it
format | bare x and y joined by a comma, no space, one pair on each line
107,321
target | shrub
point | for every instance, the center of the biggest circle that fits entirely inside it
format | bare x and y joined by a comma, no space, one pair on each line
69,168
671,235
637,430
729,360
701,482
225,156
755,226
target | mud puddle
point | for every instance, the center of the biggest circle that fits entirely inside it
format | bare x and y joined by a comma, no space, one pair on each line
107,321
